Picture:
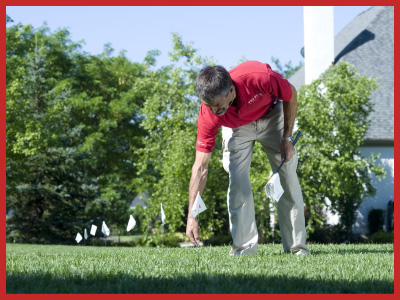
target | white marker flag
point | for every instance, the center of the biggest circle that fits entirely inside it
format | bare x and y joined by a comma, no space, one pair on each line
131,224
93,230
104,229
162,215
78,238
85,234
273,188
198,206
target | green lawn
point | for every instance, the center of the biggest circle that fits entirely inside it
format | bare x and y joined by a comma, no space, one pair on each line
361,268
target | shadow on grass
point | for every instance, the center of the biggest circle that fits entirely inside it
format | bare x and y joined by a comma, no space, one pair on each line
352,251
192,284
263,252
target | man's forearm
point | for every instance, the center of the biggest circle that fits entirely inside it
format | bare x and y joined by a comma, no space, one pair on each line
197,183
289,113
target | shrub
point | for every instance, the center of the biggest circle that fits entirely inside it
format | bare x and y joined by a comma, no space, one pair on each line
169,239
218,240
375,220
382,237
332,234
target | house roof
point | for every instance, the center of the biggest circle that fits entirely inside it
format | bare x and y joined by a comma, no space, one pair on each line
367,42
140,199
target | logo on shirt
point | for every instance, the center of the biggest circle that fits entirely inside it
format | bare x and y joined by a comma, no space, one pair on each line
200,143
254,98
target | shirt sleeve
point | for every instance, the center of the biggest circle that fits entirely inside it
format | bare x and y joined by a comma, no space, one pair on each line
207,130
276,85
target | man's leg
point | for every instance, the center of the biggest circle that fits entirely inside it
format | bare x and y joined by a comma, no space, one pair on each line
290,206
238,149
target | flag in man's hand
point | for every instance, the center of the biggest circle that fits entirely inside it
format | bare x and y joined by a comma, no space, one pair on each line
198,206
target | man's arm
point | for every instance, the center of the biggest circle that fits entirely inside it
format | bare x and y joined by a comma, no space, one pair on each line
197,184
289,115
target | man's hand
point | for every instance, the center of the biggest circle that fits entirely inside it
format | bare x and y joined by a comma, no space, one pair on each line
287,150
193,230
289,115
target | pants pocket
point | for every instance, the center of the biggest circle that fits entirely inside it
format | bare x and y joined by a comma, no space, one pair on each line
226,136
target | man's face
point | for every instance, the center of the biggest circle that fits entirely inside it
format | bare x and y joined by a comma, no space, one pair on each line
221,104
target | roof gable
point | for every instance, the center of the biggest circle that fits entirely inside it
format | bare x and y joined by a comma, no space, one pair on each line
367,42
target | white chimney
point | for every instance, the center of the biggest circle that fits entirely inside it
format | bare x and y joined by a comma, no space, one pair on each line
318,40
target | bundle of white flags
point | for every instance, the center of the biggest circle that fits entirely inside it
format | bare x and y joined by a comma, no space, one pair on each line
273,188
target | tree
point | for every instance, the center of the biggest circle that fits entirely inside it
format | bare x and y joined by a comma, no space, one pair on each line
47,187
287,70
72,125
107,107
333,116
8,19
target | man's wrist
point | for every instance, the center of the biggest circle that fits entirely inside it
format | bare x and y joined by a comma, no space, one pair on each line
289,138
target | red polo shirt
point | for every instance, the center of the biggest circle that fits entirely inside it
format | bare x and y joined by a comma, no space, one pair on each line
257,87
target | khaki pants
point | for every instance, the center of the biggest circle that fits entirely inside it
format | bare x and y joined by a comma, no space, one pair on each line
238,144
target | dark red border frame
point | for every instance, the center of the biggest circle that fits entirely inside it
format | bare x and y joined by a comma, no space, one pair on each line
181,3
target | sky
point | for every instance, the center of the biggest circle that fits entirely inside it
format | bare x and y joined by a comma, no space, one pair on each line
226,34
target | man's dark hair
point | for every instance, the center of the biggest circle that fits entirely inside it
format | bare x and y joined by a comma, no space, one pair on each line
213,82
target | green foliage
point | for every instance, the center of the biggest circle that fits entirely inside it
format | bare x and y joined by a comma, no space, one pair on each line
328,234
219,240
333,116
47,183
382,237
161,240
72,127
8,19
49,204
287,70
